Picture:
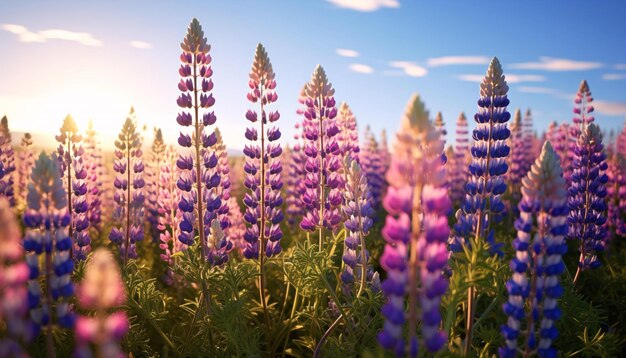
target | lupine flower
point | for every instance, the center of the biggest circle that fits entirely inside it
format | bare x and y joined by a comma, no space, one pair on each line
7,162
47,222
237,229
416,231
199,176
129,186
294,183
219,249
357,208
25,166
620,142
263,166
93,161
616,193
323,181
153,182
384,151
582,118
372,167
348,136
169,214
485,186
440,126
517,159
236,175
537,265
530,138
72,166
587,198
100,291
14,275
457,175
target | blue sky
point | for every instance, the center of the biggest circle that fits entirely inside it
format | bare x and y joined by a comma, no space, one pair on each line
109,55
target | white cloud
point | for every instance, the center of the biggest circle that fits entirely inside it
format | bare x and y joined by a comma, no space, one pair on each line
361,68
610,108
410,68
557,64
365,5
457,60
25,35
614,76
140,44
344,52
621,66
510,78
538,90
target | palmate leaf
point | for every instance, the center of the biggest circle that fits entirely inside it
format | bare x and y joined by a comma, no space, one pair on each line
304,268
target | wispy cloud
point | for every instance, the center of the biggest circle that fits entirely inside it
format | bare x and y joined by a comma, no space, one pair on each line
457,60
538,90
25,35
140,44
409,68
360,68
365,5
344,52
614,76
620,66
610,108
557,65
510,78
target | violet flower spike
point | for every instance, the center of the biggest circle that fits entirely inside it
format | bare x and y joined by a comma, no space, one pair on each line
517,158
220,247
94,165
348,136
100,291
47,222
457,175
616,194
372,167
583,109
128,216
537,265
7,162
24,168
153,184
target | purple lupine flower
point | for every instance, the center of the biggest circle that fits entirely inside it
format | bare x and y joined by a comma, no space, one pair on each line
517,159
358,210
616,194
263,166
416,231
483,201
537,265
530,139
24,167
169,214
220,247
294,175
587,198
384,152
129,190
101,290
153,184
237,229
582,118
14,275
7,162
72,165
457,175
348,136
440,126
47,220
372,166
620,142
323,181
199,176
93,161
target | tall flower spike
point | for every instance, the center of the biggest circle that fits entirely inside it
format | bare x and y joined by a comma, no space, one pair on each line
129,185
95,176
519,154
100,291
323,181
348,136
237,228
457,175
440,126
384,151
582,118
263,166
530,140
13,284
153,183
587,198
25,166
537,265
616,194
620,142
47,222
7,162
416,231
72,165
199,176
357,208
218,250
372,167
483,201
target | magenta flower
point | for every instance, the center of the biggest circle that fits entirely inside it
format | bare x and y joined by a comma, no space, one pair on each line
14,275
199,178
237,228
7,162
93,160
416,231
616,194
129,187
72,166
153,184
24,168
100,291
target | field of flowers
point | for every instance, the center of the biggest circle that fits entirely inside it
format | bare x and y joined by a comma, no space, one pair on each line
505,243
